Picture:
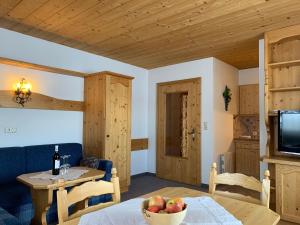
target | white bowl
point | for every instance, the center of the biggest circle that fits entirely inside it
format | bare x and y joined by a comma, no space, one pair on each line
161,218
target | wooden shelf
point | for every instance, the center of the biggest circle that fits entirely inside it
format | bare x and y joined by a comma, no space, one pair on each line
272,114
139,144
292,161
284,89
39,101
13,62
286,63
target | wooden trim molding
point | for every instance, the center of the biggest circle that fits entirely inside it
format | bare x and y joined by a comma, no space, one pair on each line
27,65
139,144
110,73
39,101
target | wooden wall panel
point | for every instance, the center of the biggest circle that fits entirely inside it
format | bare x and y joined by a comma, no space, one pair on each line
153,33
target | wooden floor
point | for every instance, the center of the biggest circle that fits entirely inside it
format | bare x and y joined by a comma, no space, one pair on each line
143,184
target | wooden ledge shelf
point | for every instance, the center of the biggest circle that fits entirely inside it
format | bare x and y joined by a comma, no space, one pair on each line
286,63
139,144
39,101
284,89
27,65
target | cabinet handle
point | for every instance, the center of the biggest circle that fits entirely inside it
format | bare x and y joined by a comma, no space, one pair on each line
107,135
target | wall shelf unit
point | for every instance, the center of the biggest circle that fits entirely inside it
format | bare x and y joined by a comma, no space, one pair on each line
282,92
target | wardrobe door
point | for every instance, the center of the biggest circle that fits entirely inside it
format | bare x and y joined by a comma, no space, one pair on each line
118,126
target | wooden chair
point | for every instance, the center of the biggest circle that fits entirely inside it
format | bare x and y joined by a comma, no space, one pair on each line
241,180
81,194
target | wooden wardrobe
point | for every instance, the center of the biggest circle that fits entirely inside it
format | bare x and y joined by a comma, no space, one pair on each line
107,121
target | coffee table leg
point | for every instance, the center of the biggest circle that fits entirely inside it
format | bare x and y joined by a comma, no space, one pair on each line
42,200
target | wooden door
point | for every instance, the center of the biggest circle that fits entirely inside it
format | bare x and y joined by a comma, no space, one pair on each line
249,100
178,131
118,126
287,192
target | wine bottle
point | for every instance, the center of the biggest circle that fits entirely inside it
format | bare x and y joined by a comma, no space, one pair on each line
56,162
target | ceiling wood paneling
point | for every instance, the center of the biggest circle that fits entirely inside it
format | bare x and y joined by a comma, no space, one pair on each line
154,33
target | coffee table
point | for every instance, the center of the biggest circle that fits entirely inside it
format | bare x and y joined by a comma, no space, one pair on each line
42,190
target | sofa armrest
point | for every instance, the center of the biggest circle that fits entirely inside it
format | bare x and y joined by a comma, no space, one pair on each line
105,165
8,219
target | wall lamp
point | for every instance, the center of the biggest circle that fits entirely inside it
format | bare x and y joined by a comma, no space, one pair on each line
22,92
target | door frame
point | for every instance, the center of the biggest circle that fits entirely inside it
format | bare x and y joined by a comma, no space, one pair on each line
198,79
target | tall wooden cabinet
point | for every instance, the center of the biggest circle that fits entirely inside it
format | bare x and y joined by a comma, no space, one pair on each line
107,121
282,92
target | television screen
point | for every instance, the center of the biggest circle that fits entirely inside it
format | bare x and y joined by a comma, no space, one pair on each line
289,131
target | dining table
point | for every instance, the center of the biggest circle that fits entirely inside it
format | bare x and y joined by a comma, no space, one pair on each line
202,208
42,189
247,213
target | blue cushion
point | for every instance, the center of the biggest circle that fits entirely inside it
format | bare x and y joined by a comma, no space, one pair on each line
106,165
14,194
39,157
7,219
12,164
16,199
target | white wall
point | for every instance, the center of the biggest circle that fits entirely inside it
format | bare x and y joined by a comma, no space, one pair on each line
262,125
249,76
214,74
224,74
40,127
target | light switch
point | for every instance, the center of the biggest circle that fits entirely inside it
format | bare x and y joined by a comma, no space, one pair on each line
205,126
10,130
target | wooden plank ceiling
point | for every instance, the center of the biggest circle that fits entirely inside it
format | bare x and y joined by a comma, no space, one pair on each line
154,33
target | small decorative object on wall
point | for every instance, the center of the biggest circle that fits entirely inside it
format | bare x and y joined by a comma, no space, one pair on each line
227,97
22,92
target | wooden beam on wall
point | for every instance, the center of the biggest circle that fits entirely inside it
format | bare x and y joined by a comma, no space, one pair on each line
39,101
27,65
139,144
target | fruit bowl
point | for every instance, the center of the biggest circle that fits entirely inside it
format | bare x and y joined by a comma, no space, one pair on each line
153,218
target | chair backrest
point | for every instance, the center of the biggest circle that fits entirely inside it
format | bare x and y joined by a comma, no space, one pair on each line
241,180
79,196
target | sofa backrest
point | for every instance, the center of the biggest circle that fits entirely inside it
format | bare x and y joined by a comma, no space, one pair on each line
12,163
39,157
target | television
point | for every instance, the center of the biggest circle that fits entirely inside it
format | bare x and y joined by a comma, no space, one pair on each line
289,132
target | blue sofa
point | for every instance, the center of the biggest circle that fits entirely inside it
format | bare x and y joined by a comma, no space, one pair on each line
15,198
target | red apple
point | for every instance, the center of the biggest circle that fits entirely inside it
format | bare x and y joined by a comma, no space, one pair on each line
179,201
154,209
173,207
157,201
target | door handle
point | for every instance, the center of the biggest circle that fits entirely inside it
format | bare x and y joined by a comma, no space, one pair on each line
192,133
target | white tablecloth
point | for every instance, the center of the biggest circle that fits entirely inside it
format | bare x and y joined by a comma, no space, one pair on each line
73,174
201,211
